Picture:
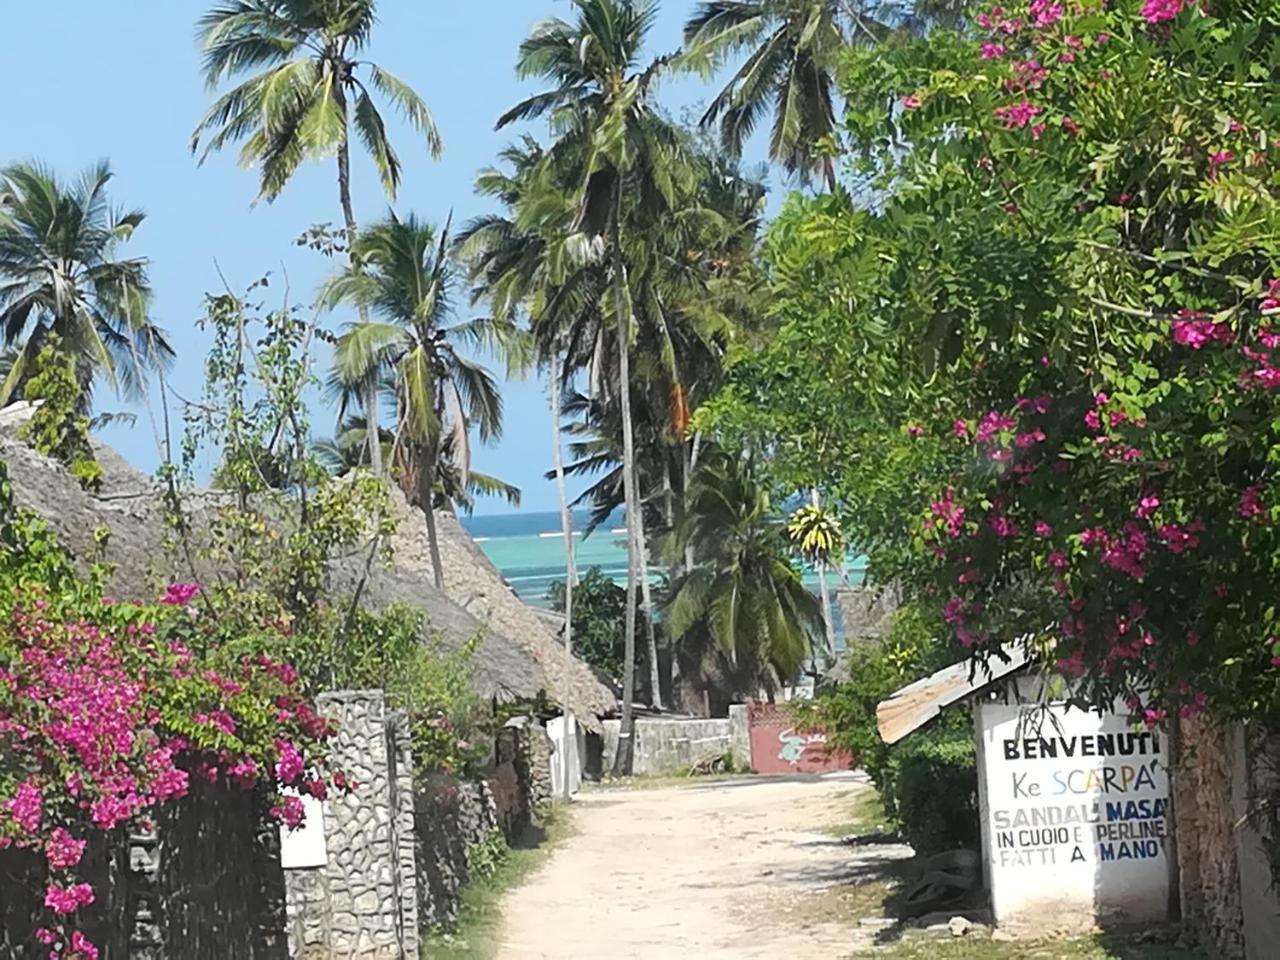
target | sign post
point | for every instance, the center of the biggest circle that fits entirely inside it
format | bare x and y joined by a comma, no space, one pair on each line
1076,819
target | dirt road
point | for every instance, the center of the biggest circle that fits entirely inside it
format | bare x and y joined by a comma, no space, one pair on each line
699,871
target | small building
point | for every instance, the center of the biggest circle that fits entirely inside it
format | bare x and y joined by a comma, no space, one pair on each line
1075,804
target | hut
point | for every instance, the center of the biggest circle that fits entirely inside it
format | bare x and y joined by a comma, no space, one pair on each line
514,661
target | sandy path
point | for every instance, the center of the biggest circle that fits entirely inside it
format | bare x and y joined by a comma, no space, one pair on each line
704,870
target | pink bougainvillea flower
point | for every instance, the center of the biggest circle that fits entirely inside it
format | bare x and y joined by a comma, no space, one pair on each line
63,900
1018,115
1158,11
62,850
82,948
27,806
289,766
1192,329
915,430
1250,502
1004,526
912,102
289,811
1043,529
992,51
180,594
1147,506
1058,560
1219,160
1046,12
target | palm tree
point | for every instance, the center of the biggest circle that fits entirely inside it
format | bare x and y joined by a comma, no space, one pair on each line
401,273
794,47
61,277
599,105
818,538
742,592
312,90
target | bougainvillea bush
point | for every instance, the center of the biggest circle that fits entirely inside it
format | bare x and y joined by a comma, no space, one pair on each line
109,709
1035,356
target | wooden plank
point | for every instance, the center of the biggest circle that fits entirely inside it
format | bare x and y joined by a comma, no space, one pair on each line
913,706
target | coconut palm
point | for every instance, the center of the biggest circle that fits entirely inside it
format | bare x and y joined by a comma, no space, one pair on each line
742,592
794,46
817,536
311,91
401,273
599,105
61,276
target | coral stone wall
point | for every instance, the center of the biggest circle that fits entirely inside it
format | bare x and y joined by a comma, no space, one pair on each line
362,904
452,817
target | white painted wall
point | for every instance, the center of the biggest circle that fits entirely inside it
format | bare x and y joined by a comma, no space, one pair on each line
305,846
1071,836
565,735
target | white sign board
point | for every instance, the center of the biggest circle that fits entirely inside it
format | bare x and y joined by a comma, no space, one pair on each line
1076,824
304,846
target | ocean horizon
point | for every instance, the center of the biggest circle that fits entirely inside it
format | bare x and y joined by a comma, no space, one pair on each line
528,549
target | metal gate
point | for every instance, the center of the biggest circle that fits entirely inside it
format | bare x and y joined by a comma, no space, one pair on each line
777,747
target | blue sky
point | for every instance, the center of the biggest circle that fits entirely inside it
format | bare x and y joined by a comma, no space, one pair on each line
121,81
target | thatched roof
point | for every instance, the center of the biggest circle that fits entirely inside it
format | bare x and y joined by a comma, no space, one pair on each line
471,580
507,666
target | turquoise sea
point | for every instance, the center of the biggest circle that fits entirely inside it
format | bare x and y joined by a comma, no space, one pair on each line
529,550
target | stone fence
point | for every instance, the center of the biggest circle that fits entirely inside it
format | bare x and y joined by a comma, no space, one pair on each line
669,745
367,876
1227,829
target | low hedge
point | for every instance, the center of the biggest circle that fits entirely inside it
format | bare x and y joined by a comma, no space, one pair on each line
930,790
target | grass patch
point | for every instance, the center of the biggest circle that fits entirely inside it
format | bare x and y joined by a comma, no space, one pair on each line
1100,946
867,816
480,915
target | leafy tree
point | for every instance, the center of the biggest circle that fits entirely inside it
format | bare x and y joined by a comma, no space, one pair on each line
58,428
1037,379
303,105
402,273
601,611
742,592
61,278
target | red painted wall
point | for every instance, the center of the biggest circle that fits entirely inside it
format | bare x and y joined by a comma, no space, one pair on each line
776,747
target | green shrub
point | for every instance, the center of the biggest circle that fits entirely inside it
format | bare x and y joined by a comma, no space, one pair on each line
930,789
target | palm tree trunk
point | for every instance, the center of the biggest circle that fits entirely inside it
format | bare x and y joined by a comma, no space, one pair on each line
690,464
646,594
571,566
369,395
426,497
824,592
566,516
622,764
